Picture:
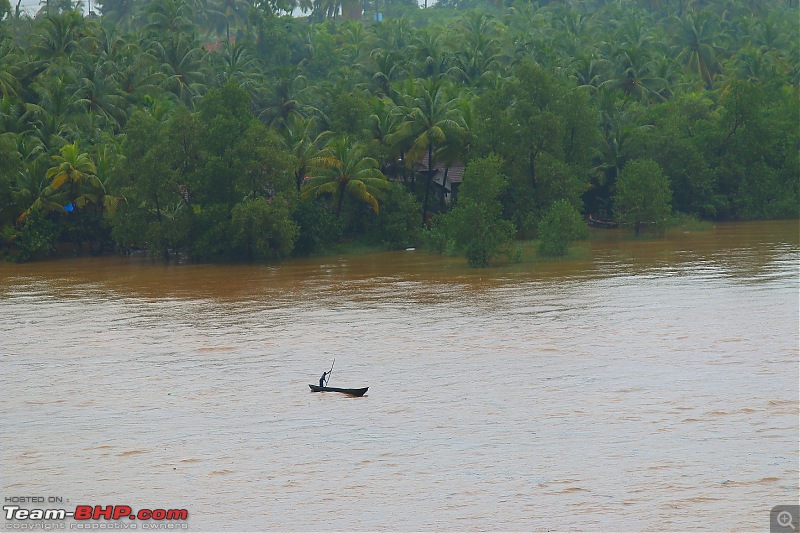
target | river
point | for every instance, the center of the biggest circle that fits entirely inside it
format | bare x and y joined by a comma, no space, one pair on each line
652,385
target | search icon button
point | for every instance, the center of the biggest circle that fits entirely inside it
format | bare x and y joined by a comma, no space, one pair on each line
783,518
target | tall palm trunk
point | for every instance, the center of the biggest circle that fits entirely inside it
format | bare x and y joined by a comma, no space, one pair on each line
532,168
403,167
428,181
444,186
351,10
340,201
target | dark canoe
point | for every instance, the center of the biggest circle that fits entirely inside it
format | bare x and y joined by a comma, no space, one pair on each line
351,392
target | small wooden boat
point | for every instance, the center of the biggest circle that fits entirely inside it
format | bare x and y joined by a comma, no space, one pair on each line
599,223
351,392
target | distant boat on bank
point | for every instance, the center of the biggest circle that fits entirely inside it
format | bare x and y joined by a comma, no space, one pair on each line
599,223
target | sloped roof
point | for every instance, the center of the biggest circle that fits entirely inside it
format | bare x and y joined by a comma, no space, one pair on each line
455,173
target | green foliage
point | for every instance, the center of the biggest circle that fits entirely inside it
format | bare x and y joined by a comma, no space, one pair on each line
274,37
519,204
263,167
686,223
546,133
350,114
764,193
225,117
557,180
158,159
202,176
210,234
643,196
343,170
36,239
318,227
397,223
480,248
476,224
560,225
263,229
136,228
673,144
10,166
129,229
197,95
756,151
439,238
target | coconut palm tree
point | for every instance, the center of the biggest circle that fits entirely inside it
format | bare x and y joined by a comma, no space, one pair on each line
431,118
237,63
106,155
289,95
97,92
385,119
32,192
13,121
169,18
322,9
619,127
138,77
10,62
697,37
52,116
119,14
182,68
587,70
635,75
433,57
224,14
76,170
58,38
386,66
343,170
396,34
476,48
297,138
355,42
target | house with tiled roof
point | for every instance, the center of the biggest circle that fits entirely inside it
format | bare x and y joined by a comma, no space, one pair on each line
447,178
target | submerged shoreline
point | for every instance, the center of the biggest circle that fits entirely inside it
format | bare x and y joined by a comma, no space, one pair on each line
526,255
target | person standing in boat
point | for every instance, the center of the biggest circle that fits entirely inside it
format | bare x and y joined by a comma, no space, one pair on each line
322,379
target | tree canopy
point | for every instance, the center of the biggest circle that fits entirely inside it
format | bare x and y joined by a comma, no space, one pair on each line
240,129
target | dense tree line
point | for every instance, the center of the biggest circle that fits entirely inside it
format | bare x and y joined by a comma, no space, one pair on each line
252,129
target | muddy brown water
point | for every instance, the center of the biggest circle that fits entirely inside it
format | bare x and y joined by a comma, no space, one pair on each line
652,385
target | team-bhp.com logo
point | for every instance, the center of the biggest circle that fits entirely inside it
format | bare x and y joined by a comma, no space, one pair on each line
150,518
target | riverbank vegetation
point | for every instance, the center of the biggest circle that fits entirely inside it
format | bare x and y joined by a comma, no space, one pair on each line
224,130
